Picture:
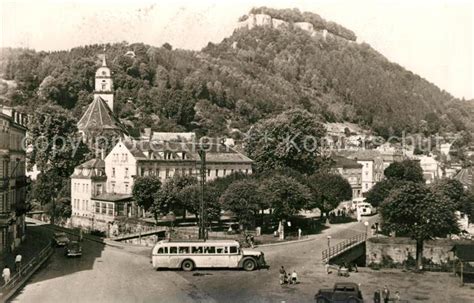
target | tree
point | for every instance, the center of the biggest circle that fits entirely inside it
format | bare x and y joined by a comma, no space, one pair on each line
406,170
288,140
244,199
55,147
191,197
285,196
416,211
54,142
144,191
380,191
168,199
329,190
451,189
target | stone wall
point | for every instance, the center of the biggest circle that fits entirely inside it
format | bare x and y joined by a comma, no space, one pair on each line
399,250
264,20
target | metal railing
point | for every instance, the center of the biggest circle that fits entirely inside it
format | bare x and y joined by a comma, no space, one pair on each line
25,271
343,246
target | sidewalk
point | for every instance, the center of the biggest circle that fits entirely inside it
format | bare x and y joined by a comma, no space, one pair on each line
36,240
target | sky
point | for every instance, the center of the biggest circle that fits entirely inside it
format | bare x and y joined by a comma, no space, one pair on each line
432,38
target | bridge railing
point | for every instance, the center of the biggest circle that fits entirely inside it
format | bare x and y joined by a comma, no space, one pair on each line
343,246
25,272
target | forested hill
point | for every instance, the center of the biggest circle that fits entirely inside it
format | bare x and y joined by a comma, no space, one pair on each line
253,74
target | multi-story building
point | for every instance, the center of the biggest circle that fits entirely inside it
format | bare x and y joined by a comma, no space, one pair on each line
372,166
101,190
351,171
13,181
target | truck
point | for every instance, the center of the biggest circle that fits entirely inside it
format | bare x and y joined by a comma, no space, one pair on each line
342,292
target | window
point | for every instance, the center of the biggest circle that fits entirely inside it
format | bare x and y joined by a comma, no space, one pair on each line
97,207
183,171
217,172
196,250
126,188
190,171
208,172
104,86
173,250
103,74
232,171
162,250
103,208
210,250
246,171
113,187
221,250
167,173
126,172
225,171
233,250
184,250
110,209
113,172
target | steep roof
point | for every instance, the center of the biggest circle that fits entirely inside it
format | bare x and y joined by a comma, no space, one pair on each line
345,162
93,163
97,117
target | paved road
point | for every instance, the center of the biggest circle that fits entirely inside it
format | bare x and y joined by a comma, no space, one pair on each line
263,285
106,274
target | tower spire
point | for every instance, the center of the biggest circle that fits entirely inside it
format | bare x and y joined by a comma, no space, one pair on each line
103,58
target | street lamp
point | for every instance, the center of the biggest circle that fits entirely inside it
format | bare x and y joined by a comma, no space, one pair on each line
202,206
329,243
366,224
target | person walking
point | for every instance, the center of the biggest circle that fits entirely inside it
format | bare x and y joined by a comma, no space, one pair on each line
377,297
18,262
299,233
6,274
386,294
282,275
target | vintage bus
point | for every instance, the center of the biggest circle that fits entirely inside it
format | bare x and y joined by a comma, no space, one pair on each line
189,255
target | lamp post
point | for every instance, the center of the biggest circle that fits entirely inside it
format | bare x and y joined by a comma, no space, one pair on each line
329,243
202,206
366,224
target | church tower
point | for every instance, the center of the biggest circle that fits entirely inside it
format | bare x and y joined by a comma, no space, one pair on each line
104,85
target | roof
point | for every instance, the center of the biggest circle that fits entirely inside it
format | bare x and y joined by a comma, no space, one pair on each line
98,116
111,197
153,150
344,162
362,155
464,252
93,163
177,137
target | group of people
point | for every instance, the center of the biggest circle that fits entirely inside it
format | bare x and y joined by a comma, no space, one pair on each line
6,273
250,240
384,296
289,278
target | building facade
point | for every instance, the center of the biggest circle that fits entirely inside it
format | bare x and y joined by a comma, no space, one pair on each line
101,190
13,182
351,171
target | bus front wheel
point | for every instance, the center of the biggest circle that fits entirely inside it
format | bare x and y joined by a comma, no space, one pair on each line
249,265
187,265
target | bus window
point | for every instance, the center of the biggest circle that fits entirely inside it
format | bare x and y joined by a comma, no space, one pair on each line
210,250
234,250
219,250
173,250
163,250
184,250
196,250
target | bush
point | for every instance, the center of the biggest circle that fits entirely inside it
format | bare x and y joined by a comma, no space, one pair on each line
341,219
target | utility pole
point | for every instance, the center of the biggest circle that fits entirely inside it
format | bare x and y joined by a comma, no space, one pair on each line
203,209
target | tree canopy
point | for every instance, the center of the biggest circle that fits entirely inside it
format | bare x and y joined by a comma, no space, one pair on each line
414,210
406,170
145,189
329,190
289,140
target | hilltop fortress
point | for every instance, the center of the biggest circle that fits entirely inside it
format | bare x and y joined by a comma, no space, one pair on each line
253,20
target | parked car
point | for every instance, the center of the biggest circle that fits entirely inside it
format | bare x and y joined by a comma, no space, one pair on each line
345,292
73,249
60,239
